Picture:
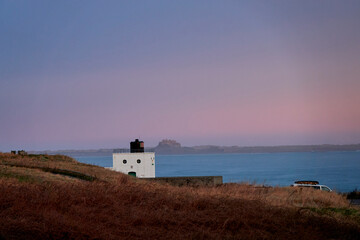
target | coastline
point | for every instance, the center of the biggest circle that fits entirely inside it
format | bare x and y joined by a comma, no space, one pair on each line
210,149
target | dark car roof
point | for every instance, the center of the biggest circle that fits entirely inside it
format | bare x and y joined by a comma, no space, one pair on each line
307,182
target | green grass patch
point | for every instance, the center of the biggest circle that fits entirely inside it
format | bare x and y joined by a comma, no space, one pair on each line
63,172
70,174
345,212
40,157
20,178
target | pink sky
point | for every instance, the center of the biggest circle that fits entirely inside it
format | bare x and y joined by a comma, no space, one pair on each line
239,73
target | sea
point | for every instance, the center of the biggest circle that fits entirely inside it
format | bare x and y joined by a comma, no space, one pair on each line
338,170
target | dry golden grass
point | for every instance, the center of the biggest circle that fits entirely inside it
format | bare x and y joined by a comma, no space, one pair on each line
116,206
278,196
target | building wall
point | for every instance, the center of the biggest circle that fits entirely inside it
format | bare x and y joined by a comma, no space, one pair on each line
144,169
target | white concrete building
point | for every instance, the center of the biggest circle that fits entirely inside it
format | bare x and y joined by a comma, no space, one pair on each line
136,162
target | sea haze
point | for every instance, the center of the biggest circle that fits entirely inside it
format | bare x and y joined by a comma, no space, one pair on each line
338,170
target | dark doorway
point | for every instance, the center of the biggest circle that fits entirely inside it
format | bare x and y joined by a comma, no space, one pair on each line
133,174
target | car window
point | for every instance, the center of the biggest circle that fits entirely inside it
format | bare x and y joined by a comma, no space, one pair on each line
316,187
325,189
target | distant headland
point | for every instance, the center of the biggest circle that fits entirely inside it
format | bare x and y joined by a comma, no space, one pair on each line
168,147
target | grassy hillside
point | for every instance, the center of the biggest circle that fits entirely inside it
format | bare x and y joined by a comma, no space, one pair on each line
56,197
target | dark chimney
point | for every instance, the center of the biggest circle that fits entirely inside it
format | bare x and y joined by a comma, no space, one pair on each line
136,146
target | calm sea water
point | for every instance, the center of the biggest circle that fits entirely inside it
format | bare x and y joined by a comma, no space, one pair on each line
338,170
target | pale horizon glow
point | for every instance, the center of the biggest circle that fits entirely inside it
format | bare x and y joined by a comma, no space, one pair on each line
89,74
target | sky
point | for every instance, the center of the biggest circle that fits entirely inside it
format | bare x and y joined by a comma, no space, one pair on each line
98,74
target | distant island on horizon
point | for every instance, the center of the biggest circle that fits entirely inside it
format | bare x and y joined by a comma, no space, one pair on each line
172,147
